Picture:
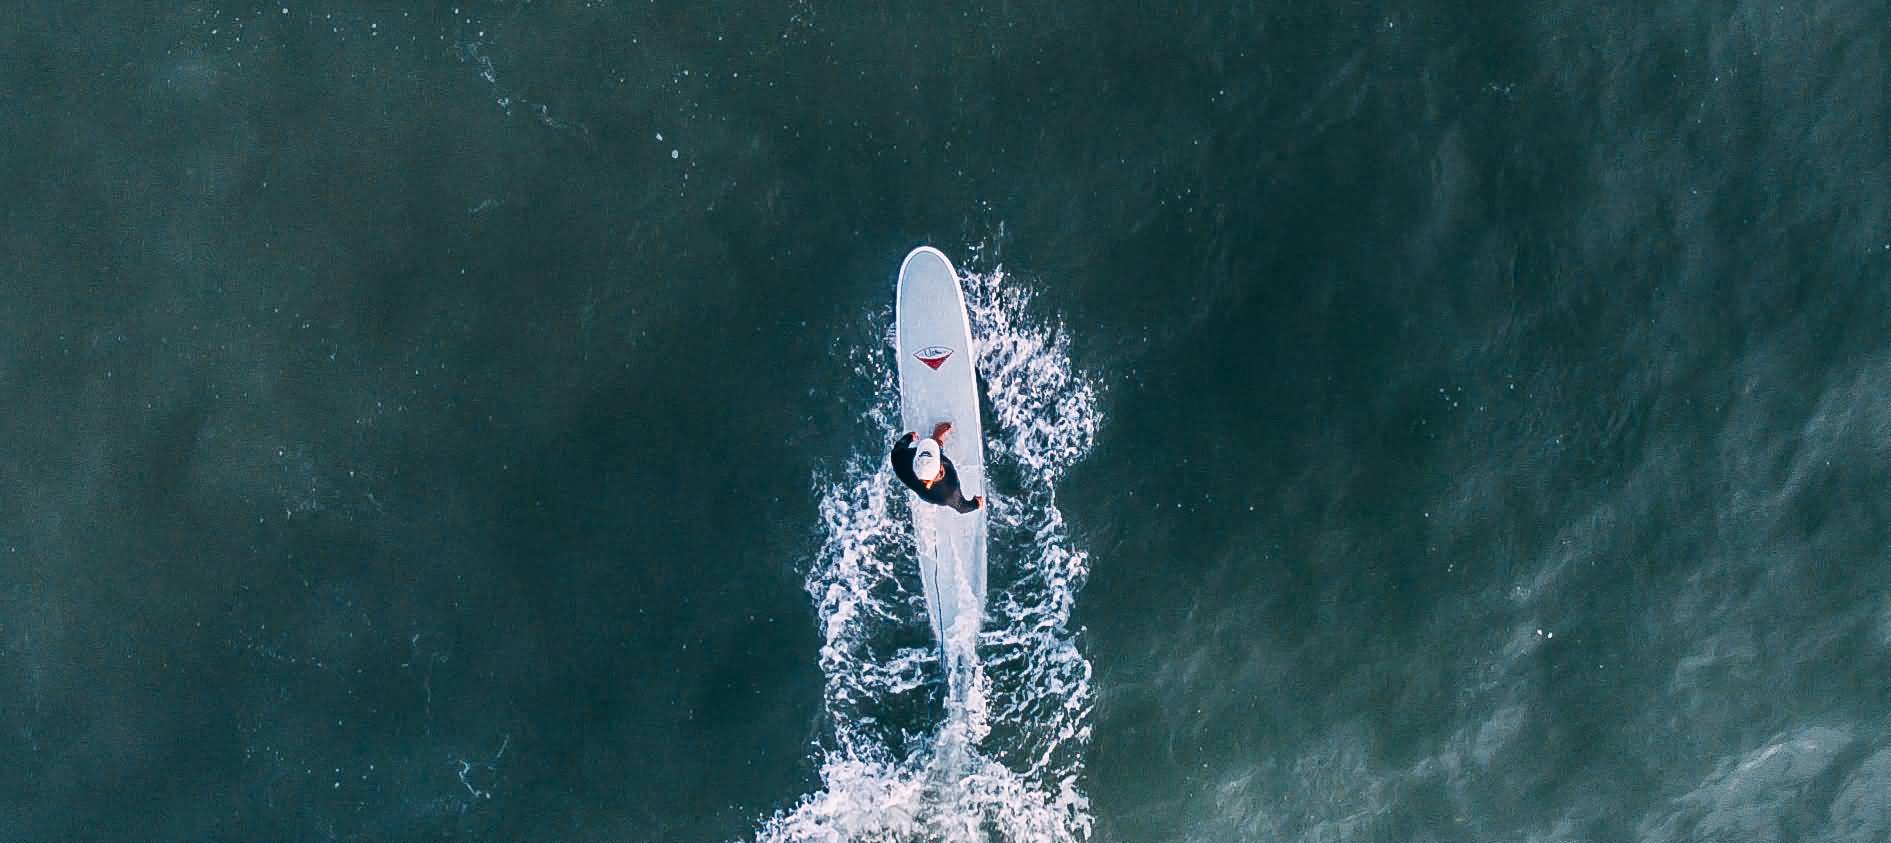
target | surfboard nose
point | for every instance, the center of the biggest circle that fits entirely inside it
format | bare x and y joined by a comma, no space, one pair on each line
925,260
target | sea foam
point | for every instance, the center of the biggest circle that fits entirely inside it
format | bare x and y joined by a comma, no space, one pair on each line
994,751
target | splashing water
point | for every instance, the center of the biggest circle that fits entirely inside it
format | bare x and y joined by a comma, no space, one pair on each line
1012,712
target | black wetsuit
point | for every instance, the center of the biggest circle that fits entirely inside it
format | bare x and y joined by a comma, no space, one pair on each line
944,491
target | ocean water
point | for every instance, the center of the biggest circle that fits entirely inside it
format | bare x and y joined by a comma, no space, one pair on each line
1409,421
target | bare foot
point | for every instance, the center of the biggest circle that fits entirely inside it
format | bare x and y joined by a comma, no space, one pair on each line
980,500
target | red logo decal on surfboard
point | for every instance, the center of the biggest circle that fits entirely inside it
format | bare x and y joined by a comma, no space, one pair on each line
933,355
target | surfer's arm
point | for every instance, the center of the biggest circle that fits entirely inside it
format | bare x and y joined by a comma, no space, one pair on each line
955,496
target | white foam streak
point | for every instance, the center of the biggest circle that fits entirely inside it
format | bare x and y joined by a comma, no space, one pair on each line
1004,762
1046,410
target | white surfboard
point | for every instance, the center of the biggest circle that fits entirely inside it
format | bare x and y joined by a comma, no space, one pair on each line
938,382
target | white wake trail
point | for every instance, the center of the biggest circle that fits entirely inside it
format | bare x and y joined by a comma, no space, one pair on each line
987,746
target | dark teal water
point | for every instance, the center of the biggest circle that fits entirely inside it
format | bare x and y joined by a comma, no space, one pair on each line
412,415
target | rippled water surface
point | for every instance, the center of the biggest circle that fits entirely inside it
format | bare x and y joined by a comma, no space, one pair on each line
1409,422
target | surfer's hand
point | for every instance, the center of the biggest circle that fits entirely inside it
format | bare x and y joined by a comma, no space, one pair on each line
940,432
980,500
910,436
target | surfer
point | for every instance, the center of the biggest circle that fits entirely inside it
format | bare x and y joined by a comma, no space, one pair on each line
927,460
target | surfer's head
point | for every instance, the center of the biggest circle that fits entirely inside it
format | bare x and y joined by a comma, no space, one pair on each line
926,463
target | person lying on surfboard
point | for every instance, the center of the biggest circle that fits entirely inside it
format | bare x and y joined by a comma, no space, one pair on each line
925,470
